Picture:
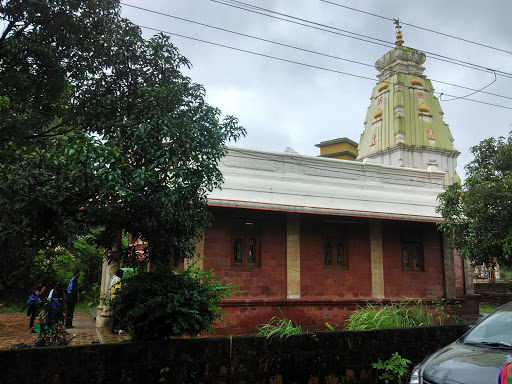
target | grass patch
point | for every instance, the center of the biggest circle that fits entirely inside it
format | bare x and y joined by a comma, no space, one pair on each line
486,308
6,307
400,314
13,307
82,306
279,327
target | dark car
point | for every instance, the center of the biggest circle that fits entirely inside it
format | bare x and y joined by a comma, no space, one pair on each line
475,358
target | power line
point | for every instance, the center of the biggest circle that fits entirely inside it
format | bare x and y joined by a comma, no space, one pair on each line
471,94
236,3
249,36
387,45
432,55
302,64
303,49
258,54
418,27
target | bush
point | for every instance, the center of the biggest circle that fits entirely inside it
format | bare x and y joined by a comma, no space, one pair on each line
395,369
51,320
157,305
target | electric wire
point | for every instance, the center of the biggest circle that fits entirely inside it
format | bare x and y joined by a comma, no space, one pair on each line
306,50
387,45
435,56
248,36
302,64
236,4
257,53
470,94
418,27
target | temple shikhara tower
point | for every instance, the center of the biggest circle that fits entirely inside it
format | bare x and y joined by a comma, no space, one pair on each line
313,237
404,124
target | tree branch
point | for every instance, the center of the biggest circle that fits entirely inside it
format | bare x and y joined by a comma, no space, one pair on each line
46,133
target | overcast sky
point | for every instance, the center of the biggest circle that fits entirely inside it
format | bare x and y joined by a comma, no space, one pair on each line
288,105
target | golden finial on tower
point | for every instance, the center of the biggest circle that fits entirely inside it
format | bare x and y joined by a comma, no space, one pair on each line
399,41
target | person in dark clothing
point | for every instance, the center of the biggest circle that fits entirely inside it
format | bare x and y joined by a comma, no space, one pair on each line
71,298
35,301
56,306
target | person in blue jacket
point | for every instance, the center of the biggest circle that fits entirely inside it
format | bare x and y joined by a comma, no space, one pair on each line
71,298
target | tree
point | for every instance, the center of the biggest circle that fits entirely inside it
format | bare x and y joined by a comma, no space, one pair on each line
478,215
99,128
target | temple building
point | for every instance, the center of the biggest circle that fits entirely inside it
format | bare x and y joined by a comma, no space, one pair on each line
313,237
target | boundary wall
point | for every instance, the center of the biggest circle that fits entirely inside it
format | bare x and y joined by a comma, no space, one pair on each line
320,357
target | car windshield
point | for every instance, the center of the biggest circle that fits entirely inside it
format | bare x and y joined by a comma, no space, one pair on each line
495,330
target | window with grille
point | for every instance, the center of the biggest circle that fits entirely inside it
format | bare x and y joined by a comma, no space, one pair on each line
246,243
411,244
335,252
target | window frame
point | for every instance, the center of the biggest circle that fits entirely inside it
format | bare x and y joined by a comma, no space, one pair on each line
241,231
334,242
411,241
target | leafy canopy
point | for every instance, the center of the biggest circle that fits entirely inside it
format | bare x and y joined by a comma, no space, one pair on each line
479,214
99,128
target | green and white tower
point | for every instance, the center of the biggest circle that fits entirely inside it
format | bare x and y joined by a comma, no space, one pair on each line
404,124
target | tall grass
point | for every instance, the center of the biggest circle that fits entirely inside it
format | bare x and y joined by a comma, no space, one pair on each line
278,327
410,313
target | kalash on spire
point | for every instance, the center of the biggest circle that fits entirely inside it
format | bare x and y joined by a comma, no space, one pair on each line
404,124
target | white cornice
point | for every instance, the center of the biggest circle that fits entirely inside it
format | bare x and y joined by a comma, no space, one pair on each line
296,182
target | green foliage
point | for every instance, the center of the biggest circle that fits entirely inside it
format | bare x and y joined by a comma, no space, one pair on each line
13,307
279,327
165,373
395,369
443,309
408,313
51,319
99,128
478,215
157,305
56,265
505,273
93,296
486,308
329,327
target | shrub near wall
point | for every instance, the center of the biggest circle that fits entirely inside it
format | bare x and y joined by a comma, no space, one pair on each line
324,357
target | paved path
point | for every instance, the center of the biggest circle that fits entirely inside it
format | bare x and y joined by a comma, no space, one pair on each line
14,329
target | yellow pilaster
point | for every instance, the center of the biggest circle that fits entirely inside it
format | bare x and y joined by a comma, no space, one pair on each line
198,257
108,270
377,263
292,257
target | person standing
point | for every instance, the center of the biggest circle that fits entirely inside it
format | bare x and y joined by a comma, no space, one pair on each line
35,301
72,297
56,306
115,289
